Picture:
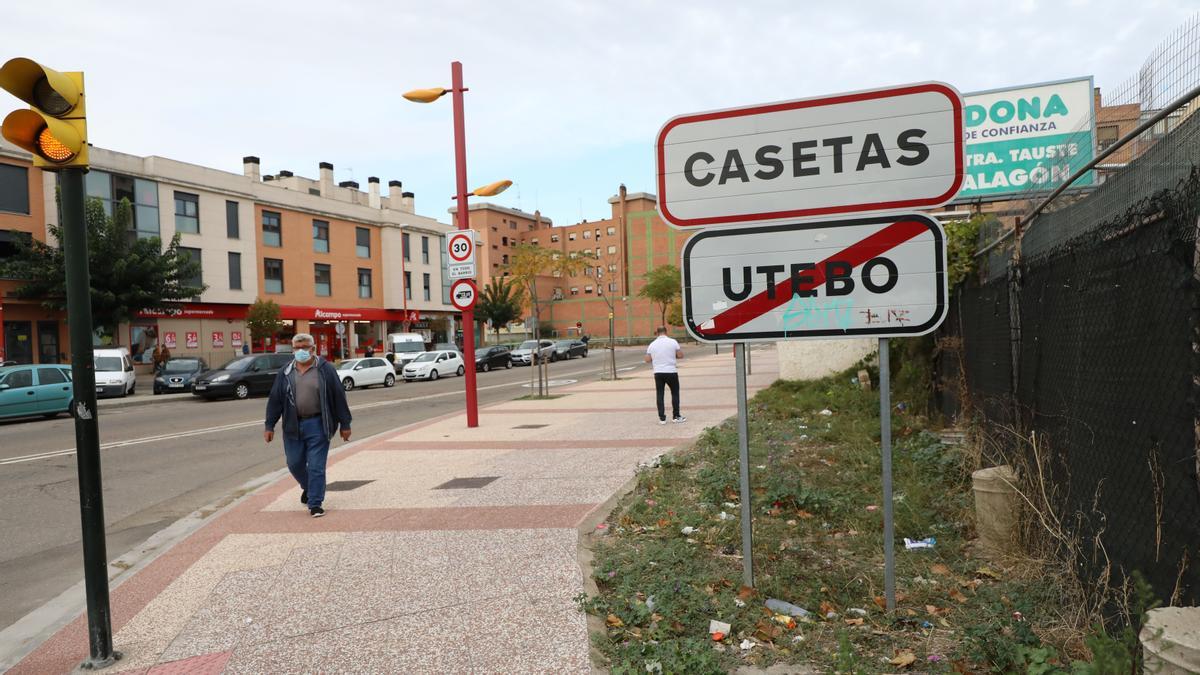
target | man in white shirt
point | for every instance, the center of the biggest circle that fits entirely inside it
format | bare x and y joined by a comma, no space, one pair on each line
663,353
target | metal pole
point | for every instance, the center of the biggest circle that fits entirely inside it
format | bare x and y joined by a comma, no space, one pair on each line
87,430
460,170
749,362
739,350
885,440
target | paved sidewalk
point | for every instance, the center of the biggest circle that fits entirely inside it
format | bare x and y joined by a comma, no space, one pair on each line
406,573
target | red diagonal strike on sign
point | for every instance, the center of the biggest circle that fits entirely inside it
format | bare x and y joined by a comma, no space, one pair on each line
877,244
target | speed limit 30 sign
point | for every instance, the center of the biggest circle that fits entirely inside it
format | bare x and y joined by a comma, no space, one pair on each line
460,248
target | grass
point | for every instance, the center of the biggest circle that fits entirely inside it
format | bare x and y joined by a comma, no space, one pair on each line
815,480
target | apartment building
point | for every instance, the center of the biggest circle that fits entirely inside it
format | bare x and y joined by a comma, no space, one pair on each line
327,254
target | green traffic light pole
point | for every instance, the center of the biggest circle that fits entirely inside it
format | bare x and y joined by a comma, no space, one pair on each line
87,430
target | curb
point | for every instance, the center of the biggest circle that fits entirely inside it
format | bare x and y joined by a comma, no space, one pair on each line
147,399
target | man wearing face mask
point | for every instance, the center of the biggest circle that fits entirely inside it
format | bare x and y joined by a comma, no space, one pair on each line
308,395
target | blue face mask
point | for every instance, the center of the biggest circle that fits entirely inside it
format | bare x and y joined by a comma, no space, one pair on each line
302,355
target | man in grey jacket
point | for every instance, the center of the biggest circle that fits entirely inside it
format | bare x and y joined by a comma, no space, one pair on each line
308,396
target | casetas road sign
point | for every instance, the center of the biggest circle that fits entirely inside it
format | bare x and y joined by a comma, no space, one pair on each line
868,151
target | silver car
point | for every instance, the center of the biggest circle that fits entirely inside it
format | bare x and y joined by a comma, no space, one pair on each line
528,352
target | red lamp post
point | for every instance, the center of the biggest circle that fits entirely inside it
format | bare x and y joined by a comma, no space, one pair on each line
461,194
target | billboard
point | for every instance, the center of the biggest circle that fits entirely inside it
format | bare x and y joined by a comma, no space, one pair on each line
1026,138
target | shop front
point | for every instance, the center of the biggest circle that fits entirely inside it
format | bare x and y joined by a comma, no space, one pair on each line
30,333
211,331
343,333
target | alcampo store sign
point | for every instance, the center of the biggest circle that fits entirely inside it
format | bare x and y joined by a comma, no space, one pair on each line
1027,138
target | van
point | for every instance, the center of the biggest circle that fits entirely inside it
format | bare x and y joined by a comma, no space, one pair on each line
404,347
114,372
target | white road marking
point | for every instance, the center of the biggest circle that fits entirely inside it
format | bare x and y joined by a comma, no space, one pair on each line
236,425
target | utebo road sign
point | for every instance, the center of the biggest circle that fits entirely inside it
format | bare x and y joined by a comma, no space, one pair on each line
460,247
879,276
868,151
462,294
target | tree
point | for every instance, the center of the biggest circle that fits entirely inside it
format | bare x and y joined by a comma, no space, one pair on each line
528,262
662,288
262,319
128,274
675,314
500,303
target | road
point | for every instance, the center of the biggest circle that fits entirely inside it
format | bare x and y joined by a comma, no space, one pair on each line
164,461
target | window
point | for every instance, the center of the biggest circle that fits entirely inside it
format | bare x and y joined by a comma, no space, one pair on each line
612,287
321,236
404,245
362,242
1106,136
534,241
612,230
425,279
597,254
587,289
597,233
574,290
194,255
571,236
408,284
612,268
51,376
587,234
573,255
425,251
235,271
19,379
233,228
512,224
587,272
364,283
187,213
612,250
554,238
322,277
272,275
111,188
504,241
504,259
557,294
14,189
271,229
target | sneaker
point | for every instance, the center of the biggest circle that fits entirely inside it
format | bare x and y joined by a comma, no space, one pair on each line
679,420
304,497
316,512
662,421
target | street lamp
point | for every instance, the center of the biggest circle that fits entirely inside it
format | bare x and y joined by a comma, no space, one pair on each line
460,169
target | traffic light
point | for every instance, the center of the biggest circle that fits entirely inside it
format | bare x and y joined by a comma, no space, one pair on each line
54,129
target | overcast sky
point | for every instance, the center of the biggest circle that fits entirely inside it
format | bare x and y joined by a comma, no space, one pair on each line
566,97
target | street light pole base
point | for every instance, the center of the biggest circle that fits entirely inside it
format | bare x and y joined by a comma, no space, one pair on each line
100,664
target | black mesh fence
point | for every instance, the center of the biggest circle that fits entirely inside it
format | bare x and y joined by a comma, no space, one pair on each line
1087,348
1076,347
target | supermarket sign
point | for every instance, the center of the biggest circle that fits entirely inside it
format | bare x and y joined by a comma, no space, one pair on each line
1027,138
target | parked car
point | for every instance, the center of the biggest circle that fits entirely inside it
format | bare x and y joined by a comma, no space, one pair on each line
241,377
487,358
444,347
569,349
403,348
365,372
7,363
525,355
35,390
432,365
114,372
178,374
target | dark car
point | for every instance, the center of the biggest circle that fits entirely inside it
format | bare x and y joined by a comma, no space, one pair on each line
178,374
569,349
241,377
487,358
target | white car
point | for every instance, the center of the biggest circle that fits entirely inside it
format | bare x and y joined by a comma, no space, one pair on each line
432,365
114,372
365,372
528,352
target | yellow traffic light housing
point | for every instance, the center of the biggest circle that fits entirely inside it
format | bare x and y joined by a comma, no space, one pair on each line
54,129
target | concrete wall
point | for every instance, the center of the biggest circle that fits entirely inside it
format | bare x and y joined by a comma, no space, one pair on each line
814,359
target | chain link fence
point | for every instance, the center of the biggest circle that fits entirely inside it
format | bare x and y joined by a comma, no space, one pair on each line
1080,341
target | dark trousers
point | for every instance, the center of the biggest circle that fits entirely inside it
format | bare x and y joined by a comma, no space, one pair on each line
306,458
667,380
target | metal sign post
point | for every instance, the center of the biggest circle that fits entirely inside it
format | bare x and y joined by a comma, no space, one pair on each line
885,443
739,350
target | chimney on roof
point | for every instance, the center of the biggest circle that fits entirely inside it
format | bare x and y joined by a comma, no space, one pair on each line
406,201
268,177
326,180
348,184
250,167
286,174
373,192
